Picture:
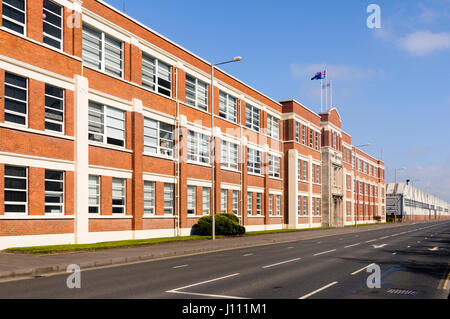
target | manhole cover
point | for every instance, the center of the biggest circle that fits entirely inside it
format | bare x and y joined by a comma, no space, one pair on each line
397,291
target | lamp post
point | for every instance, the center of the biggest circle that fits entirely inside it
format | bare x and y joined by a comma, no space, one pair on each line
354,184
213,145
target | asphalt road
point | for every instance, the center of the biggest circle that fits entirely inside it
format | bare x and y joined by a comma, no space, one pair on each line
414,263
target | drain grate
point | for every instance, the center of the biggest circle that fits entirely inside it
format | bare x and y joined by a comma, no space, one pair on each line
405,292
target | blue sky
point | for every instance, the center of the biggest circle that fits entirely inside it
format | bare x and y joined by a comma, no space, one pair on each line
391,85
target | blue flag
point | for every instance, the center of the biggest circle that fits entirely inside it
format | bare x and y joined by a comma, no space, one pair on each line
319,76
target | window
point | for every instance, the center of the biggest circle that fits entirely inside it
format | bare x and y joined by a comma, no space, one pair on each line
169,198
94,194
270,205
299,205
15,190
305,205
191,200
54,108
297,132
149,198
313,208
118,196
16,98
196,93
365,168
53,24
375,172
249,204
317,140
299,170
106,124
252,117
227,107
318,174
156,75
236,202
253,161
102,52
198,148
305,171
278,205
158,137
54,192
349,182
274,166
273,126
258,204
334,140
223,201
206,200
353,162
311,138
303,135
229,155
14,15
318,206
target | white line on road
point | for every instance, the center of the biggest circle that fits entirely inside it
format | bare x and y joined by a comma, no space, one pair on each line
318,290
370,241
358,271
281,263
325,252
352,245
394,253
182,266
247,255
204,282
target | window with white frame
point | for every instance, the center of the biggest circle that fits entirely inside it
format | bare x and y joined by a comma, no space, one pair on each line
102,52
227,106
303,134
229,155
334,140
106,124
299,170
169,195
273,126
252,117
274,166
236,203
313,208
317,140
299,205
253,161
258,204
16,99
297,132
224,201
305,205
54,108
118,196
375,172
196,93
206,196
278,205
94,194
53,24
270,205
249,204
14,15
353,162
158,137
15,190
311,138
318,206
198,148
54,192
318,174
156,75
305,171
191,200
149,198
365,168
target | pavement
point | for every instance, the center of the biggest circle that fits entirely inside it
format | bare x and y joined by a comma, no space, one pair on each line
16,266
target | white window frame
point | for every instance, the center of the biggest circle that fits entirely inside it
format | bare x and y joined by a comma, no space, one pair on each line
6,111
196,148
60,27
259,204
97,197
299,205
229,110
274,166
305,206
157,75
191,200
169,198
252,117
223,201
235,202
23,25
123,188
278,205
252,161
273,127
58,193
305,171
206,196
149,196
250,204
297,132
107,120
229,155
5,176
198,87
303,134
54,109
161,149
270,205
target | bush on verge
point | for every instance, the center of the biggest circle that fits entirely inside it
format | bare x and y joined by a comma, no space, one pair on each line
226,224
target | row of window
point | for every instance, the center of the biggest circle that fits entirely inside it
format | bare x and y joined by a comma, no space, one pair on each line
302,172
364,167
302,206
258,210
301,136
364,188
362,210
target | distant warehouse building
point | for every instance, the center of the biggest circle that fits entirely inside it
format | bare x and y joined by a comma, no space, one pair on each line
407,203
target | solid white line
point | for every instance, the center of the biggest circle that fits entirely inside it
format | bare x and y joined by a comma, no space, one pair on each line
384,237
358,271
204,295
182,266
281,263
248,255
318,290
325,252
352,245
204,282
370,241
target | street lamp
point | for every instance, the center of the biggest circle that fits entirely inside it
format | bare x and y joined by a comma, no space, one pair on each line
213,141
355,191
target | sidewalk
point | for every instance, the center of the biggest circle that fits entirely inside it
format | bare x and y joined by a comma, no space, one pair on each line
20,265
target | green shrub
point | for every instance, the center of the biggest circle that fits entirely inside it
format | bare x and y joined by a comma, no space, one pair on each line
226,224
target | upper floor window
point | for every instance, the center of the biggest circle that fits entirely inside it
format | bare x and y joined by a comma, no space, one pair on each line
317,141
311,138
198,148
227,107
158,137
252,117
253,161
156,75
54,108
273,127
297,132
102,52
14,15
106,124
53,24
196,93
274,166
16,99
229,158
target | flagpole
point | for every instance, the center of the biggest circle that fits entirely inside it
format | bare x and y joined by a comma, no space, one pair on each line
331,93
326,88
321,93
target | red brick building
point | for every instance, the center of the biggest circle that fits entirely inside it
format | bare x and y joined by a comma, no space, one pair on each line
105,131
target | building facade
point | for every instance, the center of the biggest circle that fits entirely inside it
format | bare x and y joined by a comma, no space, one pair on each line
105,134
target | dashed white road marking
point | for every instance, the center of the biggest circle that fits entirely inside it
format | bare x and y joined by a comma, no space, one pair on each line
318,290
281,263
325,252
182,266
352,245
358,271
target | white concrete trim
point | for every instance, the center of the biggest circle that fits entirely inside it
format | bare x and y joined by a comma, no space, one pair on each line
105,26
252,189
198,182
34,161
35,240
111,172
152,177
158,116
110,100
33,131
275,192
228,186
156,53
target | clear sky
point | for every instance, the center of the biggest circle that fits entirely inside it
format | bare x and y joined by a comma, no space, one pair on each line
391,85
